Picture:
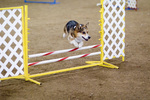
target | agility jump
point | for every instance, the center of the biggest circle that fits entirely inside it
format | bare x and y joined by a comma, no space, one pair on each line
14,42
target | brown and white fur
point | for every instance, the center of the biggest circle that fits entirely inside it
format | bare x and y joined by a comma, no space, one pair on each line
76,33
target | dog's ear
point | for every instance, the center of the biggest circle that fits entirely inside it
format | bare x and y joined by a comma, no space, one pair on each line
81,27
87,24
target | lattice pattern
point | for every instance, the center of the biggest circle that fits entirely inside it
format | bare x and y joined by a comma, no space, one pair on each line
132,4
114,24
11,43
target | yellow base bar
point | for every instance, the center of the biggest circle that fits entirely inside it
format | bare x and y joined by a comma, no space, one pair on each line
14,77
21,77
62,70
34,81
104,64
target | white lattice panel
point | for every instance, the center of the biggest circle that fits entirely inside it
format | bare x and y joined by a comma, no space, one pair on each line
132,4
11,47
114,24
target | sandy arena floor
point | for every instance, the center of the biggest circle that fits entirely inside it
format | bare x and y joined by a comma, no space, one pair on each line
130,82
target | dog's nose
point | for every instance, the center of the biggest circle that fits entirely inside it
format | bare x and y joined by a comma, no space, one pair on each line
89,37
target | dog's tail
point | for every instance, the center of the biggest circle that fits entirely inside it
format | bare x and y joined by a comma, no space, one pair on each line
65,32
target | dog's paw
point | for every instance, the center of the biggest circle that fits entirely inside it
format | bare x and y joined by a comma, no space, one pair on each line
80,44
76,45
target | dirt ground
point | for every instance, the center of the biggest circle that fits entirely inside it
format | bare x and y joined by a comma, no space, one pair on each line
130,82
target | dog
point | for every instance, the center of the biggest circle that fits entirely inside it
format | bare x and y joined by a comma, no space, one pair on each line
76,33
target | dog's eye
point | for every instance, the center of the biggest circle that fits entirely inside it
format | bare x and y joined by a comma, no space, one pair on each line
83,32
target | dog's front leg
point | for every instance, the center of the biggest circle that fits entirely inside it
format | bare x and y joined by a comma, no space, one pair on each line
80,44
74,43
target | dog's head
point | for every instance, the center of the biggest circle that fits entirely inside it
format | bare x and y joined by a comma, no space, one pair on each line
83,32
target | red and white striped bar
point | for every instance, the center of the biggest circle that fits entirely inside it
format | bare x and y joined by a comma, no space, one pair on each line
63,51
62,59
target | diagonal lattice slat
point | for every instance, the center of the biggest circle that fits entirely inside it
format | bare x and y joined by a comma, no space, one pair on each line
11,43
114,24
